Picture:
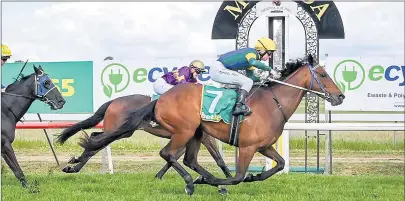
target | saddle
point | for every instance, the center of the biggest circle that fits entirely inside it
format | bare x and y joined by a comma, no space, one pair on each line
235,119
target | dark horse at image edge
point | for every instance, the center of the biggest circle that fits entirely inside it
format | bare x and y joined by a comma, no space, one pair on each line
15,102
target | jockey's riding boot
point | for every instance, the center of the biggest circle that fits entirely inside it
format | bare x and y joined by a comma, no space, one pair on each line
242,102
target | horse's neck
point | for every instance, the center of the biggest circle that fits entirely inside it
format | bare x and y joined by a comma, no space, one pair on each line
290,97
19,105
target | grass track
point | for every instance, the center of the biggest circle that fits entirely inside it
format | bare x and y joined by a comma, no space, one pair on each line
141,186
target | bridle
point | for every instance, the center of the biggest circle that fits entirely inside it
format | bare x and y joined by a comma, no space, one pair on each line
324,94
39,94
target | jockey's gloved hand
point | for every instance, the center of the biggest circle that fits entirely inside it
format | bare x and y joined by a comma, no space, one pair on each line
276,74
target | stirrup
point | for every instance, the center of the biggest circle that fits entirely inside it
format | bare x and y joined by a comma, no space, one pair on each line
245,112
153,124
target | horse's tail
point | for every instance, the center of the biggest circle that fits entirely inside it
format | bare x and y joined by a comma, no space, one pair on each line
131,123
85,124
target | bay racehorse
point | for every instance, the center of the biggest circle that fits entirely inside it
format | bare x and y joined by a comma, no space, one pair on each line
272,105
113,114
15,102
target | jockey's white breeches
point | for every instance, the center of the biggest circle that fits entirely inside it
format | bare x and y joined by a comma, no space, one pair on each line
220,74
161,86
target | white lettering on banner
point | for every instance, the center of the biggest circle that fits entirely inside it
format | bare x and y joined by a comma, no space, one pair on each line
369,84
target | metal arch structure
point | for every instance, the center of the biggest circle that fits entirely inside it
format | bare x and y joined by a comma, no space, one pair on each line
278,60
320,20
311,47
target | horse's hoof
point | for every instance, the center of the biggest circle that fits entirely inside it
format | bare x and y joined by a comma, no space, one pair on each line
159,176
189,189
68,169
222,190
24,184
248,178
73,160
199,180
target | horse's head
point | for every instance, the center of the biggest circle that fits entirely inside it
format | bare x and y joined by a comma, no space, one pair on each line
46,91
38,85
319,80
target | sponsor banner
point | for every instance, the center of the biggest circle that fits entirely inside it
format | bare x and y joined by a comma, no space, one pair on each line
369,84
73,79
116,78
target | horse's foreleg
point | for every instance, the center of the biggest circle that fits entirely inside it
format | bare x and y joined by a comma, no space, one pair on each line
271,153
245,156
165,168
209,143
9,156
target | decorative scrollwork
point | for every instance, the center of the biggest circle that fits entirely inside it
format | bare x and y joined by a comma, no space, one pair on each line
242,38
311,32
312,46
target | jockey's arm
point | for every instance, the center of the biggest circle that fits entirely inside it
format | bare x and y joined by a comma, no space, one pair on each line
256,63
250,74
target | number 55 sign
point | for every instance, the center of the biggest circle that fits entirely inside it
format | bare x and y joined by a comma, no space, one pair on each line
74,80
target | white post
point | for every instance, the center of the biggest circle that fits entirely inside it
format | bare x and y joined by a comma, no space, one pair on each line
109,157
327,138
286,151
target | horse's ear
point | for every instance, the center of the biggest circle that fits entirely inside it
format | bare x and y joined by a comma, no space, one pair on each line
40,68
37,70
310,59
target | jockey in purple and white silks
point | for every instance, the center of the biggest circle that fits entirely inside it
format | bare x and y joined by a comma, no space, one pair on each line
185,74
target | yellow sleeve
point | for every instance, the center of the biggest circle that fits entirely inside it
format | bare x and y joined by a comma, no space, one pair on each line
250,56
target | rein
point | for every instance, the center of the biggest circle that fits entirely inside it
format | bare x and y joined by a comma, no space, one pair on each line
325,94
19,95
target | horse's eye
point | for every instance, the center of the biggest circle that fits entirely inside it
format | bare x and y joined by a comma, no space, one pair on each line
47,84
323,75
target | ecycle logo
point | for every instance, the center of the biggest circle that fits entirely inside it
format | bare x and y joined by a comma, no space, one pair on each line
349,75
114,78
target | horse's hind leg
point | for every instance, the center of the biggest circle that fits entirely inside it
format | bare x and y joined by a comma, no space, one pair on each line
9,156
190,159
82,160
168,153
165,168
86,155
271,153
75,160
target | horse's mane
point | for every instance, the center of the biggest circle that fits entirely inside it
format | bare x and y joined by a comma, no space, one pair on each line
19,79
290,67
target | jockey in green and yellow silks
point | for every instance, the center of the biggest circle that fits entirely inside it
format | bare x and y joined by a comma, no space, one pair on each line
224,70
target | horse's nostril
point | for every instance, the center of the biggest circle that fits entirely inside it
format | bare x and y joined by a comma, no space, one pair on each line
341,96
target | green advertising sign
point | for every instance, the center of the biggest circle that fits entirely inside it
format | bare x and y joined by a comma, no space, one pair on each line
73,79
